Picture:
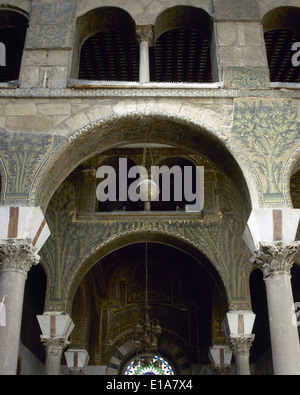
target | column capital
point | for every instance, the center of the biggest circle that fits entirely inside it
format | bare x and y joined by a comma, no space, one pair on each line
17,255
275,257
54,345
145,33
241,344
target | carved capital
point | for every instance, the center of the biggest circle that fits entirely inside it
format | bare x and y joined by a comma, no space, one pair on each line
17,255
145,33
54,345
275,258
76,371
222,370
241,344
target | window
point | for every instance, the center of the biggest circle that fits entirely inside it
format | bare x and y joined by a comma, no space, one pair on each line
159,367
13,27
282,30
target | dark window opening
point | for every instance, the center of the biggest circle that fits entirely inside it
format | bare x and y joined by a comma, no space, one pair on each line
109,56
181,55
279,44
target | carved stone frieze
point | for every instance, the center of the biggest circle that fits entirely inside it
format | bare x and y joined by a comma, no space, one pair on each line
17,255
275,258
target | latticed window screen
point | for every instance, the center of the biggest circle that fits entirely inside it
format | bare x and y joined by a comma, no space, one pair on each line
13,39
279,44
180,55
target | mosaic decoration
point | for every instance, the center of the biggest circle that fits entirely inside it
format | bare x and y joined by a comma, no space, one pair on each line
22,154
268,131
150,370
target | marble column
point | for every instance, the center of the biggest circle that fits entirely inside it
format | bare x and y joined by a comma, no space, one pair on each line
240,345
16,259
56,329
145,39
238,325
54,348
276,260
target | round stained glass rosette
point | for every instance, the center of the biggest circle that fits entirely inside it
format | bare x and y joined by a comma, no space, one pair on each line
165,369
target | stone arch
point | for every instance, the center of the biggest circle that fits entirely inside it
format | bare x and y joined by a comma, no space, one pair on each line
172,342
115,131
292,167
118,241
3,180
183,17
286,17
98,20
173,350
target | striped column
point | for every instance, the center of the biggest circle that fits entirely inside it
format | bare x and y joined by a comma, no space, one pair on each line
77,360
238,327
24,223
23,231
220,357
56,329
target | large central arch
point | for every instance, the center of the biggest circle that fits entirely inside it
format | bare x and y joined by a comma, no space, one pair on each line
139,236
162,128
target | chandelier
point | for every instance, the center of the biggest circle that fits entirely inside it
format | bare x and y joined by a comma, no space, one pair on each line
147,332
148,189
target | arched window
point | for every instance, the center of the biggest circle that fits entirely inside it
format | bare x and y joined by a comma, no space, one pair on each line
281,32
13,27
108,47
160,366
182,46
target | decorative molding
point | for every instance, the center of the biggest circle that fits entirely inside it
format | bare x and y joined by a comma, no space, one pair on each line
148,90
18,256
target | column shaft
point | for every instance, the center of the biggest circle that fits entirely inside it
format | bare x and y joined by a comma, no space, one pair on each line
16,259
144,62
54,348
276,260
284,335
241,345
12,285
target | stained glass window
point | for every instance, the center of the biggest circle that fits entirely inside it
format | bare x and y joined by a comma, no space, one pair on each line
159,367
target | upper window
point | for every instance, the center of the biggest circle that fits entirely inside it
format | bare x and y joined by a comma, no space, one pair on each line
108,47
282,31
13,27
181,55
181,51
178,49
